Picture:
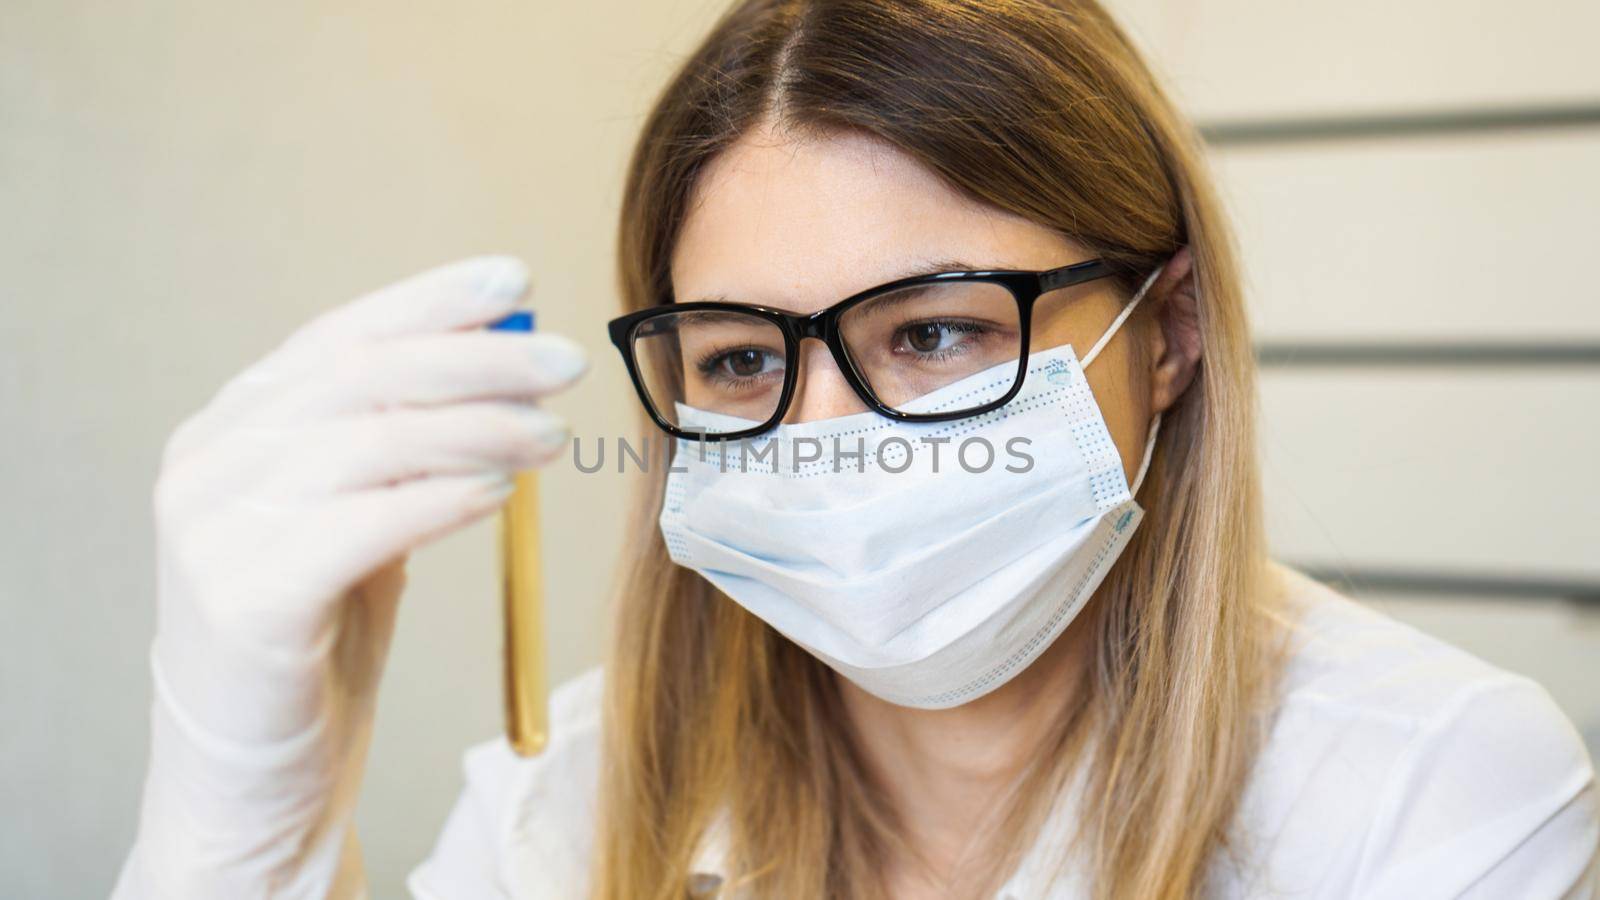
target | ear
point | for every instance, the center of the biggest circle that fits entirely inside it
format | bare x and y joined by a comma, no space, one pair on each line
1175,339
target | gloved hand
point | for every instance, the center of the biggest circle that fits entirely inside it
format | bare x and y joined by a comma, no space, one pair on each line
285,511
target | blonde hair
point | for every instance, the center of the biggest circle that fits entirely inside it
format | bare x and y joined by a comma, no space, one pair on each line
1043,109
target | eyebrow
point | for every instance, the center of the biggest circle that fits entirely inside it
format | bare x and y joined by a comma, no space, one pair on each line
915,270
707,317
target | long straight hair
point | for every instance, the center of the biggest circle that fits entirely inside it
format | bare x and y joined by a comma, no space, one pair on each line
1044,109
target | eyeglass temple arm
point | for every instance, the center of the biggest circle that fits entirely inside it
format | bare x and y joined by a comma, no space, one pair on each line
1076,273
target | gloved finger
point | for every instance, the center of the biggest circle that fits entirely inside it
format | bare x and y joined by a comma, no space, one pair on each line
429,370
461,294
376,449
207,422
352,452
201,486
266,377
464,294
344,539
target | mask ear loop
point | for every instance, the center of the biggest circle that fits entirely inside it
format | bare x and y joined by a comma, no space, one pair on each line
1149,454
1116,324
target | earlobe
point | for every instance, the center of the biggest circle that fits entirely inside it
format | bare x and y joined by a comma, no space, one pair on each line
1178,348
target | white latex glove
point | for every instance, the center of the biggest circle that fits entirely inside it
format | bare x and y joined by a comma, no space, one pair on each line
285,510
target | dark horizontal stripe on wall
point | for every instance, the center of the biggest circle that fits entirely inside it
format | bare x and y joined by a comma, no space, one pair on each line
1455,584
1287,130
1465,353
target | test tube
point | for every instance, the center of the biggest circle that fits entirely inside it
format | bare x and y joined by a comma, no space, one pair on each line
522,595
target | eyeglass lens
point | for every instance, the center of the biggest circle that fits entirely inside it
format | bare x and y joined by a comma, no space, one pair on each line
723,371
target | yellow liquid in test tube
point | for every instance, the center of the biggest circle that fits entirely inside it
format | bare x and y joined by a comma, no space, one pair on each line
522,586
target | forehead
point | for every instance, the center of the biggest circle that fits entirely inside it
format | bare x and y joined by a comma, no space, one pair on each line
800,223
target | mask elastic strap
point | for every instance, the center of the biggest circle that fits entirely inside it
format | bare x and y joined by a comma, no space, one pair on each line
1149,453
1121,317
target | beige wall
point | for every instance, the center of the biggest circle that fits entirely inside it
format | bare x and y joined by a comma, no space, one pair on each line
181,184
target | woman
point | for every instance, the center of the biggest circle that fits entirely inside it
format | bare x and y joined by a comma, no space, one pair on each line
873,230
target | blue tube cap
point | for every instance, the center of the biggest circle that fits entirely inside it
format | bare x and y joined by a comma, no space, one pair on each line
517,321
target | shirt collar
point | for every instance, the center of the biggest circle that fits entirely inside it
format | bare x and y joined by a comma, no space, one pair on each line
1038,869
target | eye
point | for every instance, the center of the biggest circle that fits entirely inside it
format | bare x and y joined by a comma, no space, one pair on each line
740,364
932,337
744,362
925,337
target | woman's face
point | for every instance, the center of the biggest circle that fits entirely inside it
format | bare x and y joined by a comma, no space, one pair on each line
802,224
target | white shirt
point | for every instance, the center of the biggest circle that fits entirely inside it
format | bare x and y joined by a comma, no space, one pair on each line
1397,767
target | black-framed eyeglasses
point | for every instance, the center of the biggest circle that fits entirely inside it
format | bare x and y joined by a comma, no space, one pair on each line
718,371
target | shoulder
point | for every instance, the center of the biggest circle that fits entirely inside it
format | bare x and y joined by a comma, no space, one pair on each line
1400,765
1350,663
523,826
